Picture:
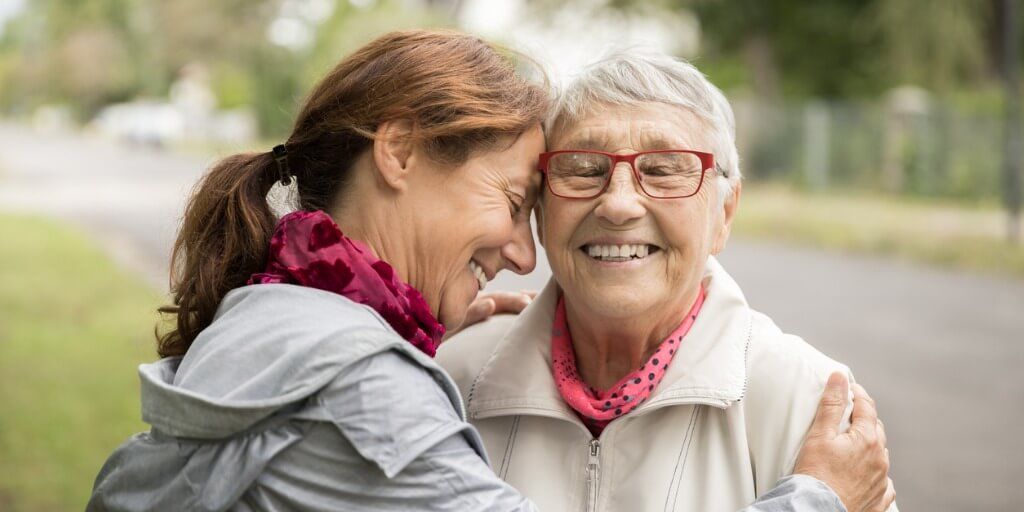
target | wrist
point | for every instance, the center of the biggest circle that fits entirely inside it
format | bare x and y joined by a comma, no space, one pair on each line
810,481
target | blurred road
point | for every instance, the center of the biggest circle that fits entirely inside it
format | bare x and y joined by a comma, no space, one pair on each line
941,351
128,196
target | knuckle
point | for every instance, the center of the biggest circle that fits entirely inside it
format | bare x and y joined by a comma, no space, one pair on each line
871,439
832,401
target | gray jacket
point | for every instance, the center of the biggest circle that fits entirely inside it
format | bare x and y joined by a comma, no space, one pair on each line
299,399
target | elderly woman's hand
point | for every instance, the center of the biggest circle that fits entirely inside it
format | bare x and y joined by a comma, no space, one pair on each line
495,303
855,464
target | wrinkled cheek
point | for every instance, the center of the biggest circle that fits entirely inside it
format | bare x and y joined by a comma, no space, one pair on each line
679,262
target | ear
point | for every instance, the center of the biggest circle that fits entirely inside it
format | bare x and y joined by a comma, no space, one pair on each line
392,150
730,205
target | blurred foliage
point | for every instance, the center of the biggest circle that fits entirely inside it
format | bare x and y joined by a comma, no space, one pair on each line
89,53
837,48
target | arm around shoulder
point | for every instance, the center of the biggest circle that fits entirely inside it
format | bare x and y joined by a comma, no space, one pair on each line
786,377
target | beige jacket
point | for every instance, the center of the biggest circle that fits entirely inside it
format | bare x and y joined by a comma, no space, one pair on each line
723,426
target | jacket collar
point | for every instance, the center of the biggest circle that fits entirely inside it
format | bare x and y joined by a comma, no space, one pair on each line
710,367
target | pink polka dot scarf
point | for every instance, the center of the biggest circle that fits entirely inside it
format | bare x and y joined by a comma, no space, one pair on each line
598,408
308,249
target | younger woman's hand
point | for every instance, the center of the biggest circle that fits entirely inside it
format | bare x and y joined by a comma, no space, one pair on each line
495,303
855,463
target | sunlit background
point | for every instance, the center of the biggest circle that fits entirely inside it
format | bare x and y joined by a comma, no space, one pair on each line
880,140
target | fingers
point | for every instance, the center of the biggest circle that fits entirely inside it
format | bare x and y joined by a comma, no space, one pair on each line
831,407
887,499
880,431
508,302
864,419
481,309
529,293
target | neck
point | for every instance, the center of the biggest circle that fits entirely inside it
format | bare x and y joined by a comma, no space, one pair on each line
607,349
362,213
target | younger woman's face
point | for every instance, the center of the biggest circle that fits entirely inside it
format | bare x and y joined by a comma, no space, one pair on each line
473,221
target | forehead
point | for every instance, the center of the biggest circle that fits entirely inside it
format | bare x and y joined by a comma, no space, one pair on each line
641,127
517,162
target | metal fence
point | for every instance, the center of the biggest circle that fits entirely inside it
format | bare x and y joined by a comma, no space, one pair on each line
906,143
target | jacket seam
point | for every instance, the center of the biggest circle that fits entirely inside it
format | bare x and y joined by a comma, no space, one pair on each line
483,369
746,354
510,443
677,474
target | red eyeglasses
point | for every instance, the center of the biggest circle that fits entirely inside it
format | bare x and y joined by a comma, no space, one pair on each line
662,174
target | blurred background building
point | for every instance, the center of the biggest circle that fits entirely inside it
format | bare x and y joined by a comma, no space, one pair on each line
880,140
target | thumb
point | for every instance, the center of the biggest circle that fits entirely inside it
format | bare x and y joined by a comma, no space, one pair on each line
832,406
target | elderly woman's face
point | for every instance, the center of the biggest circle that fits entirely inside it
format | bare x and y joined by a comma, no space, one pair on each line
677,234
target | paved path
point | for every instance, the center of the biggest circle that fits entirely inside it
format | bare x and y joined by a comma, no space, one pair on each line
128,196
941,351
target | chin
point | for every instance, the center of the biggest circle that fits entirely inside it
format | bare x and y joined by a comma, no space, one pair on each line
614,302
453,311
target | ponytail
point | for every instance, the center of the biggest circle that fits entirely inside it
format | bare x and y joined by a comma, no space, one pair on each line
224,239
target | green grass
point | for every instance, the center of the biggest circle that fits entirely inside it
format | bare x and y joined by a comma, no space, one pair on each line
73,327
934,232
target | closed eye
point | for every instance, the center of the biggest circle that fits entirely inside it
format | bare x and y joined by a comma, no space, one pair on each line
515,202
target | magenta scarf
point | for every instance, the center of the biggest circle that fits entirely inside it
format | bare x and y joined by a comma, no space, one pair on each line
597,408
308,249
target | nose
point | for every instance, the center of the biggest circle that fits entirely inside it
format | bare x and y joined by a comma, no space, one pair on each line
622,201
520,254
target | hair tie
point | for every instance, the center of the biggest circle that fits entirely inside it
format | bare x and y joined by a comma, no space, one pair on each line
281,157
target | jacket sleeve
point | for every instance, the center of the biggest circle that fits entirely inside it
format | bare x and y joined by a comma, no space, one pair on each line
798,493
397,417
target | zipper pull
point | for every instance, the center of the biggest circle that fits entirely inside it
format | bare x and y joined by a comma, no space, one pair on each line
593,462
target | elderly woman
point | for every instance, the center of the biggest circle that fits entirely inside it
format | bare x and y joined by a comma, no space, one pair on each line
640,378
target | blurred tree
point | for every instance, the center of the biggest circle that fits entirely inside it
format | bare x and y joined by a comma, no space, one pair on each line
89,53
835,48
939,45
70,50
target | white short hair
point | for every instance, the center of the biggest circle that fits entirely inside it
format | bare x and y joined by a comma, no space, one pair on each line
632,76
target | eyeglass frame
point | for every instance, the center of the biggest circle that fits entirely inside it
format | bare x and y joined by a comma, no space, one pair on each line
707,161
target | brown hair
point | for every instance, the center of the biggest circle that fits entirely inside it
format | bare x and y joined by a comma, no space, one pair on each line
461,94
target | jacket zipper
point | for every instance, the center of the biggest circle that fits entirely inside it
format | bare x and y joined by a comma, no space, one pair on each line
593,473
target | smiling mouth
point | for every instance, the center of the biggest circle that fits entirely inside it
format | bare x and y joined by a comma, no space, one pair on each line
481,276
619,253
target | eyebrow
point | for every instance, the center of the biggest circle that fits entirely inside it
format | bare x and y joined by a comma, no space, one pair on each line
656,143
588,142
653,140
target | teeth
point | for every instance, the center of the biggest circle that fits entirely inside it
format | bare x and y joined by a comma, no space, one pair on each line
481,276
618,252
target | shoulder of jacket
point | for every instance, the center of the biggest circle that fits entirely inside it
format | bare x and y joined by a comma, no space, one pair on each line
785,379
773,351
466,353
781,366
